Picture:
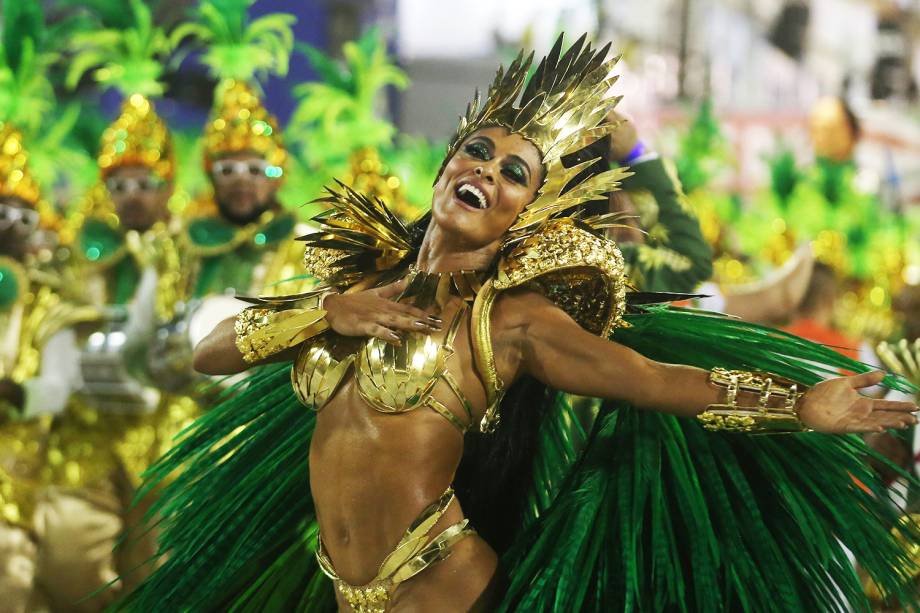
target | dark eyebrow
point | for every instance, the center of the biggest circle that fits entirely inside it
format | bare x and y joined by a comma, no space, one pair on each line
518,158
487,140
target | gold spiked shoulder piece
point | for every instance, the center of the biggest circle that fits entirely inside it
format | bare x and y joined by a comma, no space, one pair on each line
584,274
774,411
358,237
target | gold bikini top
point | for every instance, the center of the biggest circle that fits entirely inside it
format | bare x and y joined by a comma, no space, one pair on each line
390,378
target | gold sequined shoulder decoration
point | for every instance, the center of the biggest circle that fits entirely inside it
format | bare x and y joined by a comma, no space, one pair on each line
580,271
358,236
565,106
137,137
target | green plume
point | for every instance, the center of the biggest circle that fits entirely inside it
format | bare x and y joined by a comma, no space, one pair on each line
784,175
236,48
129,59
702,149
26,93
340,110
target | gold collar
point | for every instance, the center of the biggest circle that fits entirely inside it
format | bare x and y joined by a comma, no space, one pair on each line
436,287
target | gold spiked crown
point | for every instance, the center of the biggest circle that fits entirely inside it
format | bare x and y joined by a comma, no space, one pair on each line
561,109
239,122
15,179
137,137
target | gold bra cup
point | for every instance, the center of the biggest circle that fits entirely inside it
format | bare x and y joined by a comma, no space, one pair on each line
317,374
390,378
394,379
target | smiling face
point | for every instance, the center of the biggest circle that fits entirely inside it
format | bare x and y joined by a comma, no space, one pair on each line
484,187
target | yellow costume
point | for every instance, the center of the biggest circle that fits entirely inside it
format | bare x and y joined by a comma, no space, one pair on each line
32,313
119,423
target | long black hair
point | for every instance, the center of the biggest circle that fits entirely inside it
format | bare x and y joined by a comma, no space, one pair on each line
497,469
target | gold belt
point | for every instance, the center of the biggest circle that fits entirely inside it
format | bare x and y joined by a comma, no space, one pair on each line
412,555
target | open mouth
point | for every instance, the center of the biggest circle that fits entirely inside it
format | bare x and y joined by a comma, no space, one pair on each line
472,196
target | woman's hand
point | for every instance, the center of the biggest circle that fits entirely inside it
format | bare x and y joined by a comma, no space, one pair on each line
835,406
374,312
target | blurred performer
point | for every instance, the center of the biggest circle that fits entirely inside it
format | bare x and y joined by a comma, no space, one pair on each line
128,264
38,369
664,249
236,239
125,235
244,240
834,205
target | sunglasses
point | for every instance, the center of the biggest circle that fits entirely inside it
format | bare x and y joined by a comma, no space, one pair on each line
127,186
223,169
24,220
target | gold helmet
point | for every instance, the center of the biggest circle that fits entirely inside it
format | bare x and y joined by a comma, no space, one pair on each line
15,179
138,137
239,122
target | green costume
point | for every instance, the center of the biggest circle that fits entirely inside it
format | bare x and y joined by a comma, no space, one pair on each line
221,256
675,256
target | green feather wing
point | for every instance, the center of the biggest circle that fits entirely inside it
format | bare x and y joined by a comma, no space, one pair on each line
660,515
233,507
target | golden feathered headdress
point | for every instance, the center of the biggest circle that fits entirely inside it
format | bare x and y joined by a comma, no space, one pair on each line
239,122
138,136
15,179
561,109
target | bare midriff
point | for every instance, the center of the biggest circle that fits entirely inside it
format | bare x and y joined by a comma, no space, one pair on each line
372,473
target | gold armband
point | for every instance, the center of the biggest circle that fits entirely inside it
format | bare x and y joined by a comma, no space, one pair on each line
775,410
263,331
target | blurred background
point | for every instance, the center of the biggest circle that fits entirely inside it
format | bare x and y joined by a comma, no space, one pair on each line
761,63
787,121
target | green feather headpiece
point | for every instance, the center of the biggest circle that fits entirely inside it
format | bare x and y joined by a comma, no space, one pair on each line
341,107
236,48
130,59
26,93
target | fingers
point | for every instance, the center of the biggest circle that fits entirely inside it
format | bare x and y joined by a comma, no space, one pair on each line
391,290
894,405
402,321
384,334
417,313
879,421
866,379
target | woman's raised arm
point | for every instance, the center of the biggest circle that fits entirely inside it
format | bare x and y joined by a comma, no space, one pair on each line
549,345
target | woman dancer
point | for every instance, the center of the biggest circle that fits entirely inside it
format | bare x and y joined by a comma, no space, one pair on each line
423,337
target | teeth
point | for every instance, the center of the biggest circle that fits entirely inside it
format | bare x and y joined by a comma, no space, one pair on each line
466,187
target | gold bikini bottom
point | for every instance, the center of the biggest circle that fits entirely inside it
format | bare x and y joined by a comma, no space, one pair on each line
414,553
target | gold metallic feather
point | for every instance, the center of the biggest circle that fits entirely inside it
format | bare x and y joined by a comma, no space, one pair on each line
359,235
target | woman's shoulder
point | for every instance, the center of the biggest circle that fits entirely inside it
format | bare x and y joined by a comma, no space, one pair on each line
522,308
